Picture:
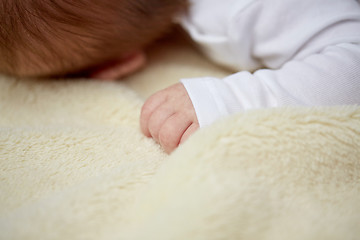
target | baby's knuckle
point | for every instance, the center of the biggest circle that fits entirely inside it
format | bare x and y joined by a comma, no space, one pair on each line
159,95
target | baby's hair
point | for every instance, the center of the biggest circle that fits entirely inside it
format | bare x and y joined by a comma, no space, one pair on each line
48,37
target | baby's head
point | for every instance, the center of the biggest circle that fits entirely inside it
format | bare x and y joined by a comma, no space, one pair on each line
55,37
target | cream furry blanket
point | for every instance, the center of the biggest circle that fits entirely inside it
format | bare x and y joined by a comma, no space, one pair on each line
74,164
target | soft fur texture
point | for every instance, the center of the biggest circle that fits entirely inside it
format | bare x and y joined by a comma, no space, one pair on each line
74,164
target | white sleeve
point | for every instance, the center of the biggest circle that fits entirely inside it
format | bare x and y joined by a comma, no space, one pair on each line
331,77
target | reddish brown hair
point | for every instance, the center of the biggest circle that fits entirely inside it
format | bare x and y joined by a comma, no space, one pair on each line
47,37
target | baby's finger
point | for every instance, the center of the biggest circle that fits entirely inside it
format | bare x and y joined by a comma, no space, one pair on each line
190,131
172,131
158,118
147,110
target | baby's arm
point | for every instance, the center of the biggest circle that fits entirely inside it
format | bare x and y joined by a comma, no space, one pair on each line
331,77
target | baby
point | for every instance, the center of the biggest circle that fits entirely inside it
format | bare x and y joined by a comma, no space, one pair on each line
290,52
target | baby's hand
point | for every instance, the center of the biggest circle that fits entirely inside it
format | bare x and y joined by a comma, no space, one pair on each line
169,117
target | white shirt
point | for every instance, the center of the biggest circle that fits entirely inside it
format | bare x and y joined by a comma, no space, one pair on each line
291,52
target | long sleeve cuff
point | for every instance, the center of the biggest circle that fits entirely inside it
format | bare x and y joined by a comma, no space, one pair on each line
207,95
215,98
